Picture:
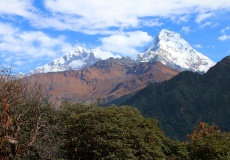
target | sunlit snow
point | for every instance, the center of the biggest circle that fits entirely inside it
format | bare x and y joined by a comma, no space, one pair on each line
172,50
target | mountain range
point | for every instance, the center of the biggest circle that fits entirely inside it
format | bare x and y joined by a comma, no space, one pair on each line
74,60
169,80
84,75
107,79
168,48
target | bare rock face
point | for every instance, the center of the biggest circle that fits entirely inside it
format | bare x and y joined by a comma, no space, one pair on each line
107,79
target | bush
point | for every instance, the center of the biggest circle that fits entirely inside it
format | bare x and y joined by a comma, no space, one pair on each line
110,133
206,142
27,122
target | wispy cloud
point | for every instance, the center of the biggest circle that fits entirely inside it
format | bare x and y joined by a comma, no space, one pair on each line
186,29
209,24
16,7
26,45
224,37
211,46
98,17
206,24
198,46
215,25
150,23
225,29
202,16
180,19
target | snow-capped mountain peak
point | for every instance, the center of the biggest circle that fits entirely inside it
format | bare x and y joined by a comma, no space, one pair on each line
78,52
77,59
172,50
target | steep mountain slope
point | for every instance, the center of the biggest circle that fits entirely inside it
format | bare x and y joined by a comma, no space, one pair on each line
187,98
75,60
172,50
107,79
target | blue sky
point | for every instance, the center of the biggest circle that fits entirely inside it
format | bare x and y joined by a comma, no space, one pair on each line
34,32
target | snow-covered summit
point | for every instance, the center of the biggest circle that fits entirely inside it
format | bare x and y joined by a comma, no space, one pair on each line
74,60
172,50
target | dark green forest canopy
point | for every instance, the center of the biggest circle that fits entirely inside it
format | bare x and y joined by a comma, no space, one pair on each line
111,133
123,133
180,103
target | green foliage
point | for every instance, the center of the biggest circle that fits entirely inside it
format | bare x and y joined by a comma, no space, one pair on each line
111,133
187,98
176,150
206,142
122,133
27,122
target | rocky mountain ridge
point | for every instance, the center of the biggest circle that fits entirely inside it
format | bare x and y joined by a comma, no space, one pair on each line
168,48
74,60
172,50
107,79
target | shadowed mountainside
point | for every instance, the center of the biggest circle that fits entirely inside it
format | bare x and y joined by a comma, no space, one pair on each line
187,98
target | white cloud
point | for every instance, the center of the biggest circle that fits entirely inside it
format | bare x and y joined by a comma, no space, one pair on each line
225,29
211,24
150,23
184,18
21,47
96,17
22,8
215,25
224,37
104,54
206,24
186,29
203,16
125,44
19,62
180,19
211,46
198,46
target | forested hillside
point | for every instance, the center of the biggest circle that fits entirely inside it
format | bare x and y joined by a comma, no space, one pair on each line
180,103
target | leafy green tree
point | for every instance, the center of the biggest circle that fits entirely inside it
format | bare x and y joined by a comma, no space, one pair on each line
110,133
175,150
27,123
207,142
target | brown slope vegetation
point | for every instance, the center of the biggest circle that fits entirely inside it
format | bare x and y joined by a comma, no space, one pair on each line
107,79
